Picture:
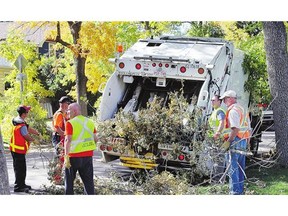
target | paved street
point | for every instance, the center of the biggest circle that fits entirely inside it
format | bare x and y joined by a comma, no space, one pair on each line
37,164
37,168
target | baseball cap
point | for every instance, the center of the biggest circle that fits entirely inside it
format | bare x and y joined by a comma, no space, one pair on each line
229,93
23,109
65,99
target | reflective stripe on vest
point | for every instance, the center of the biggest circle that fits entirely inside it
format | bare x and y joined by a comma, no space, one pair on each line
213,120
244,123
18,143
82,137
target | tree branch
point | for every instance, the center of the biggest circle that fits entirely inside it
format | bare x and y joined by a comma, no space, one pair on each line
58,39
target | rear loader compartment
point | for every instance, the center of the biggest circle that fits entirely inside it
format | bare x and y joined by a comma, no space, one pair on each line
197,67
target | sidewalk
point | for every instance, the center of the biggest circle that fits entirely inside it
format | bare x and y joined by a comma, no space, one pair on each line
37,169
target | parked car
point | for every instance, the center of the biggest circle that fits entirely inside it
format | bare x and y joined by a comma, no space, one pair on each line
268,120
260,123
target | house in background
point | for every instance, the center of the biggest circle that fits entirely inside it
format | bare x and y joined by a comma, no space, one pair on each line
34,35
5,69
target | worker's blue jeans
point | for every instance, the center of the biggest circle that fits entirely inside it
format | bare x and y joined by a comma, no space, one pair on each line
84,165
236,163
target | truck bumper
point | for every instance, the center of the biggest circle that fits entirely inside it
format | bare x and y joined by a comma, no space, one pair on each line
138,163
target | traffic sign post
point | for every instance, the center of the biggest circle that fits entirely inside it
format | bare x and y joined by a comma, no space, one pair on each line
21,63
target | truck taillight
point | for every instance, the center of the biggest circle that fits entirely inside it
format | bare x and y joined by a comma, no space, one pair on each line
154,65
160,65
109,148
119,48
183,69
262,105
200,70
181,157
166,65
164,153
121,65
138,66
102,147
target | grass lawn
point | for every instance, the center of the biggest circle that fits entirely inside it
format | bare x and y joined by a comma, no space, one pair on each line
260,181
263,181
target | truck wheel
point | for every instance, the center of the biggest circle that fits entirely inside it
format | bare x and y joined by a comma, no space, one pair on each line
107,158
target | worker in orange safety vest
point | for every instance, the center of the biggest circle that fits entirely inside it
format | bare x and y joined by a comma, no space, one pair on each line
58,124
236,135
19,145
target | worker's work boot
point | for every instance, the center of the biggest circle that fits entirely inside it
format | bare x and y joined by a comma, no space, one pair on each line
26,190
28,186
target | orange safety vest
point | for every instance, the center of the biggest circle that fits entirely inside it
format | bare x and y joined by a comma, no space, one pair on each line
18,144
58,112
244,132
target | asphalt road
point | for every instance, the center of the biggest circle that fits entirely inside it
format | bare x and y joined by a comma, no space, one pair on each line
38,160
37,168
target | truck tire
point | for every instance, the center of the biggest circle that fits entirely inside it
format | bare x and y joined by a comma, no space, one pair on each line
107,158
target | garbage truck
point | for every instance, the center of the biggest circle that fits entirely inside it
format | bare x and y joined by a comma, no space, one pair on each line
204,66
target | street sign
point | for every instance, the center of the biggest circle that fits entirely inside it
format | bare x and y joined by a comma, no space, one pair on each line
20,62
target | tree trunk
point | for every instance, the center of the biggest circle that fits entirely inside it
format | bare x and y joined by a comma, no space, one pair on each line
275,39
79,63
81,82
4,181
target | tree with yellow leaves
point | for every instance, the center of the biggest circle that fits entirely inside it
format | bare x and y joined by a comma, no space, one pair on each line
89,42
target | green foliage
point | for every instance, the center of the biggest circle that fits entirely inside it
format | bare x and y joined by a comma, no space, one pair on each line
33,89
255,65
56,75
253,28
205,29
128,33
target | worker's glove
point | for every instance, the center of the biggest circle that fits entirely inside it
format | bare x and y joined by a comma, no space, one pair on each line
67,161
225,146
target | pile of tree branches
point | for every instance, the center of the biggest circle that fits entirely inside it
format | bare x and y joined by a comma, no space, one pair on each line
179,125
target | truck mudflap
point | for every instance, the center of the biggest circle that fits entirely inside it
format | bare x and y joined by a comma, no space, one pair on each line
140,163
